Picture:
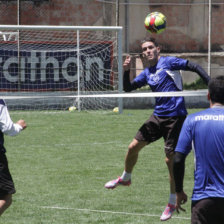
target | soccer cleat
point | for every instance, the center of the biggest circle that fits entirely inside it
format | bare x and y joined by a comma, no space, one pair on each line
167,212
114,183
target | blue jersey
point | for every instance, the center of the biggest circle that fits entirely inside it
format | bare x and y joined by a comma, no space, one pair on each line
165,77
206,130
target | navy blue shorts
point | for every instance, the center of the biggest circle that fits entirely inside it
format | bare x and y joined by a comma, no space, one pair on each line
6,181
207,211
157,127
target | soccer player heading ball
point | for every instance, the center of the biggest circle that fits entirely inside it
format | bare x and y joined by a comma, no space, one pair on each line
162,74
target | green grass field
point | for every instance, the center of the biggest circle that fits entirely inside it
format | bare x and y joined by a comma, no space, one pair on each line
61,162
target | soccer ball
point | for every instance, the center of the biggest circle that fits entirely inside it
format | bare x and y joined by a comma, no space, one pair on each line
116,110
72,108
155,22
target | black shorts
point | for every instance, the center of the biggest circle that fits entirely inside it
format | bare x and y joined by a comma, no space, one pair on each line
6,182
207,211
156,127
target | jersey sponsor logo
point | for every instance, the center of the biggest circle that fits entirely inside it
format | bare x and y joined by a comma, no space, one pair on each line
207,117
155,76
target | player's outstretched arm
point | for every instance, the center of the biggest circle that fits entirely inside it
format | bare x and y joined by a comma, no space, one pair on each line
199,70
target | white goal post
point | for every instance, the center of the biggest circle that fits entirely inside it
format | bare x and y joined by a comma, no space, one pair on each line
43,65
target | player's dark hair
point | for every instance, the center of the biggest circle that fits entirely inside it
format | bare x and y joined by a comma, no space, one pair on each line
150,39
216,89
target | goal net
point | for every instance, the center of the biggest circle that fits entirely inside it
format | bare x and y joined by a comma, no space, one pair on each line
57,67
50,67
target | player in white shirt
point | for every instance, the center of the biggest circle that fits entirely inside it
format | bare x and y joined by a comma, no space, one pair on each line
7,127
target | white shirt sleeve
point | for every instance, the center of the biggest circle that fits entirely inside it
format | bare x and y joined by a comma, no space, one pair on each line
6,124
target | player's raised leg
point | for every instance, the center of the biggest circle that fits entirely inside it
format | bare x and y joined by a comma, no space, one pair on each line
130,161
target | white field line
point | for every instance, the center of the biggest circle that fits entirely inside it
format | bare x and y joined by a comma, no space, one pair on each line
109,212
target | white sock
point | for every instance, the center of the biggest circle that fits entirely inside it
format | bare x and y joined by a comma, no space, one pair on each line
172,199
126,176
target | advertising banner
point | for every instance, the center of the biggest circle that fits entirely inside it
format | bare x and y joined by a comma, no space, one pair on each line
50,67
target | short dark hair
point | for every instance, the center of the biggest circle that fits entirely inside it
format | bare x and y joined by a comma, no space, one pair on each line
150,39
216,89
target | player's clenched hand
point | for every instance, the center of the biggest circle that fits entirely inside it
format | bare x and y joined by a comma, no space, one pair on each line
127,63
181,198
22,123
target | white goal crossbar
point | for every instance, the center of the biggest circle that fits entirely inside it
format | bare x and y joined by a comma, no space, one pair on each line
29,27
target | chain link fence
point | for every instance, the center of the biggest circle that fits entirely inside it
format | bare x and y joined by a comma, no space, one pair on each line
195,28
